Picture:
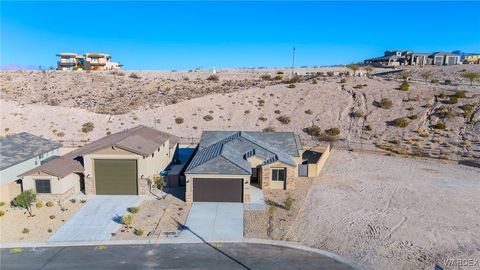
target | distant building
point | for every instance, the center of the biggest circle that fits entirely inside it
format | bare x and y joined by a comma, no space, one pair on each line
404,58
89,61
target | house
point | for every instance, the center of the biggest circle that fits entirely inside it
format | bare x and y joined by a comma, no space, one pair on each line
228,162
402,58
122,163
19,153
89,61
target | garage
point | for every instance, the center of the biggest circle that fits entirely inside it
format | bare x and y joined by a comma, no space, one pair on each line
217,190
116,176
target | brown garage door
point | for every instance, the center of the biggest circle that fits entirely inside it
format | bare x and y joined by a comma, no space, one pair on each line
217,190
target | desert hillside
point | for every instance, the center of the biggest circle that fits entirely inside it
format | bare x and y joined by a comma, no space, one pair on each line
438,116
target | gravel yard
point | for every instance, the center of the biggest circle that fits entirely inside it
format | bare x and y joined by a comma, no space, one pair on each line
16,220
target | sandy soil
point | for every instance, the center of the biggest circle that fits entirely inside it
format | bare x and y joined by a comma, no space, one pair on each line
155,216
15,220
392,212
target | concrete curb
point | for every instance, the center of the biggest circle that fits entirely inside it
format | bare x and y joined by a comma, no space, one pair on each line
288,244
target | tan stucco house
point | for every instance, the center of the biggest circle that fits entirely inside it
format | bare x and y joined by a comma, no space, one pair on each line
227,163
119,164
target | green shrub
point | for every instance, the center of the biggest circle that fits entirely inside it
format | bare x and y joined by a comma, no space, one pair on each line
25,230
179,120
127,220
39,205
49,204
291,85
213,78
278,78
448,82
413,117
453,100
400,122
49,230
133,210
279,72
386,103
2,213
26,200
434,81
440,125
288,202
332,132
266,77
404,86
314,130
87,127
467,110
284,119
442,95
208,118
343,81
138,232
460,94
2,204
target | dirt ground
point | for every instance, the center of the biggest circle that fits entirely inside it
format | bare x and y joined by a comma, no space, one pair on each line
390,212
155,217
16,220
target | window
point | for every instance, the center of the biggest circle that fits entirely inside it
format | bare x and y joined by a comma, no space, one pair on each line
42,186
41,156
278,174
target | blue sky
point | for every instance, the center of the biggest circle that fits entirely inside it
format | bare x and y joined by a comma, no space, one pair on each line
187,35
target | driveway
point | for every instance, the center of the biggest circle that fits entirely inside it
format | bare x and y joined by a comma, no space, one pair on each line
214,222
96,220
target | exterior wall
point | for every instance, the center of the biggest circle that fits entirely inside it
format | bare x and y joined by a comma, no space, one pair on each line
10,174
266,178
314,169
189,184
10,191
146,166
61,188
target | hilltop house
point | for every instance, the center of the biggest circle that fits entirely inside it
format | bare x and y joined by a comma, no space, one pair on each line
119,164
19,153
403,58
228,162
89,61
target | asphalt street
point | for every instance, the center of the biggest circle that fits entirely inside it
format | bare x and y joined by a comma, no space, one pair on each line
168,256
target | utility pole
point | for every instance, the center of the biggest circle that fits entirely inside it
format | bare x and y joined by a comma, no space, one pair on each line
293,61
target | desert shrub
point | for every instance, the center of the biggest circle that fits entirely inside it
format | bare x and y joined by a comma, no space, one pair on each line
332,132
52,217
208,117
278,78
213,78
133,210
434,81
266,77
87,127
448,82
284,119
453,100
330,73
386,103
83,201
49,204
25,230
262,118
467,110
440,125
179,120
2,204
413,117
134,76
308,112
314,81
60,134
277,112
444,112
246,112
400,122
442,95
292,80
73,200
404,86
314,130
49,230
460,94
358,86
467,143
2,213
279,72
367,128
410,109
288,202
261,102
127,220
269,129
291,85
138,232
39,205
343,81
358,114
26,199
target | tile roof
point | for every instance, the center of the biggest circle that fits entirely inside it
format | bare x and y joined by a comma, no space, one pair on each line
20,147
140,140
224,152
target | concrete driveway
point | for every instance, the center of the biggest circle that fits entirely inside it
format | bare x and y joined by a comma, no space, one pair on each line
214,222
96,220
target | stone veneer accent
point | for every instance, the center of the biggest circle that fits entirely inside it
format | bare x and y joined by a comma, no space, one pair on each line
144,186
267,176
246,198
89,186
189,197
290,178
